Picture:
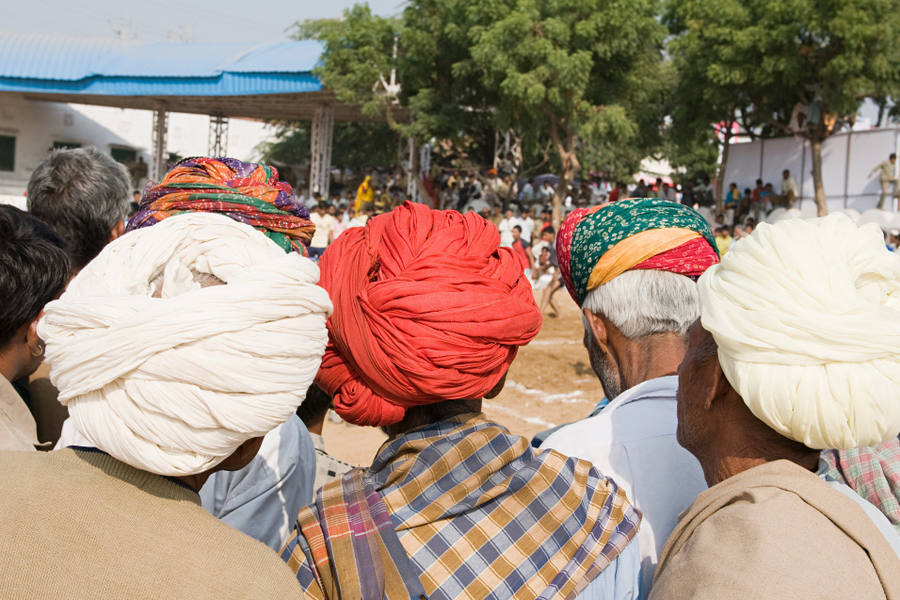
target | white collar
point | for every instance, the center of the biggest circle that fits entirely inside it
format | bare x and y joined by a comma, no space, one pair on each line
659,387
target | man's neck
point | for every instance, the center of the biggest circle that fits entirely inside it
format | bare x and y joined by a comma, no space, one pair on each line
649,358
8,366
734,455
195,482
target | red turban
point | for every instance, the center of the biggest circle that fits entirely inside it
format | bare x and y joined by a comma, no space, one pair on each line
427,308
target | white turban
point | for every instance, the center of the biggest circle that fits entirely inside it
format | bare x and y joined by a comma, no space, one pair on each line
174,384
806,314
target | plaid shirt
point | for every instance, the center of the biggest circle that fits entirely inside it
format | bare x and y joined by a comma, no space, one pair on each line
479,514
873,473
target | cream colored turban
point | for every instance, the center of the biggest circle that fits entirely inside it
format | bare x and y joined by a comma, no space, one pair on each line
174,384
806,314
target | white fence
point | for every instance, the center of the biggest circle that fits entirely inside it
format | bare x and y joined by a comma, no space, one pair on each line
847,159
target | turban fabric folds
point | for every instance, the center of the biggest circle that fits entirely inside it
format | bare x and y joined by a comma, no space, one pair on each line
599,243
806,314
169,376
427,308
247,192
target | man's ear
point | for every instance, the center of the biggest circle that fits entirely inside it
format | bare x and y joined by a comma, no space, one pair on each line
117,230
599,332
31,337
721,387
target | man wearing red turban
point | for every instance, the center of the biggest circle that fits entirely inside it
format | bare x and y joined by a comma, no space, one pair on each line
429,313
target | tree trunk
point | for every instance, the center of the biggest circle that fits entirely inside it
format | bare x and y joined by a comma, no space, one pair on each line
569,160
882,105
562,185
720,184
821,203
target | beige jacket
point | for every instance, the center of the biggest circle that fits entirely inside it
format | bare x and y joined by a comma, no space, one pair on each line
80,524
776,531
18,430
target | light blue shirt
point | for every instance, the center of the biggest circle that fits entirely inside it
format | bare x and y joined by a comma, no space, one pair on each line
263,498
877,517
620,580
633,441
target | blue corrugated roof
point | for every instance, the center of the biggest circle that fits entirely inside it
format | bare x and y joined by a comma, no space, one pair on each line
40,63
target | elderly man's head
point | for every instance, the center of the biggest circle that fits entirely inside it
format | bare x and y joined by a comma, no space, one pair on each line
83,195
796,347
630,266
633,309
711,412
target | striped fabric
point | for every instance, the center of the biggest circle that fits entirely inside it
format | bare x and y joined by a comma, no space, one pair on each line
873,473
247,192
480,514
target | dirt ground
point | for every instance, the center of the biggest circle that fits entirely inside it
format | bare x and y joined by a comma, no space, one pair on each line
549,383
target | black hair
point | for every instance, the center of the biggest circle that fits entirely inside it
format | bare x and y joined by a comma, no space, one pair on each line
519,227
548,229
34,269
893,155
314,406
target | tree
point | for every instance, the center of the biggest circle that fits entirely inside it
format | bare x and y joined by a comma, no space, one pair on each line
800,67
702,115
580,70
579,75
358,56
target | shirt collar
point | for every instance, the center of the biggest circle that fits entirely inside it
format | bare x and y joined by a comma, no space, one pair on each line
657,388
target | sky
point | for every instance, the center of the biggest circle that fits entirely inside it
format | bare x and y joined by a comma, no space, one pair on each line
184,20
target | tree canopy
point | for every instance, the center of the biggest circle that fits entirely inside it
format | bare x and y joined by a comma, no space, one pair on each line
580,77
786,67
601,84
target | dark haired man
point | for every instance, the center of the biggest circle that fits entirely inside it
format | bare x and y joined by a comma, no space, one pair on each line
34,270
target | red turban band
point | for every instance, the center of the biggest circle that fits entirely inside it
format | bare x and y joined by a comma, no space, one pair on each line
427,308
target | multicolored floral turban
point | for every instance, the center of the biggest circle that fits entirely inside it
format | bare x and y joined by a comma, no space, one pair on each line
247,192
598,243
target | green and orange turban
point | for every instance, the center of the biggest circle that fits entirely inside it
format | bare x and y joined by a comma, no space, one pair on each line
599,243
247,192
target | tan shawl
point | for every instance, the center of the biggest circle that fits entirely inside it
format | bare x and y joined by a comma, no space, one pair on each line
776,531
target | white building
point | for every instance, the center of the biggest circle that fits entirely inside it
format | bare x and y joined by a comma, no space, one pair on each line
29,129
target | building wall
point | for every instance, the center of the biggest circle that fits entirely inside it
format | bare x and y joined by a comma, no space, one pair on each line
847,159
36,126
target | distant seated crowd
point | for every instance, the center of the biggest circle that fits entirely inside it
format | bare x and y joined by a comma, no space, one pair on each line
165,374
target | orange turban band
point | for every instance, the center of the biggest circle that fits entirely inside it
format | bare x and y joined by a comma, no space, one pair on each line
427,308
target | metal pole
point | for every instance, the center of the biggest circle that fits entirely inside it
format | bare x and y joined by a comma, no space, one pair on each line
762,146
160,133
410,177
321,138
217,143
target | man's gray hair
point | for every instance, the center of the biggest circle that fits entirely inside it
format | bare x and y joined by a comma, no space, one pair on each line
643,302
81,194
